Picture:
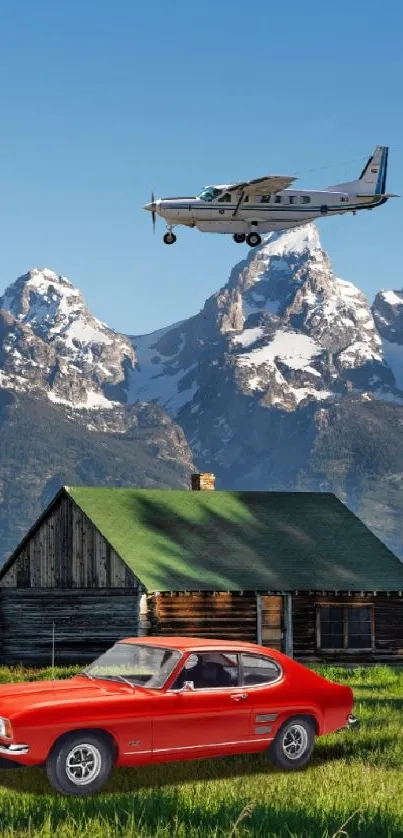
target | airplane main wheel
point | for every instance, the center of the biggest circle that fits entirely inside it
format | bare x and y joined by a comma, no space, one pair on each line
239,238
253,239
169,238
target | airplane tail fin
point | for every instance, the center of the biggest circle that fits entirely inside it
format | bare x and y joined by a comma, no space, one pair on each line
372,180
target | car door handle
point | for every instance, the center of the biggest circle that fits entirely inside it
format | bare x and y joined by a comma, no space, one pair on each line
238,696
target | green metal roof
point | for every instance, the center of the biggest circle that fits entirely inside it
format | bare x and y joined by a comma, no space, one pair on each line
176,540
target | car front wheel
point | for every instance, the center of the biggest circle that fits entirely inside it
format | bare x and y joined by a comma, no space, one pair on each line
293,745
80,763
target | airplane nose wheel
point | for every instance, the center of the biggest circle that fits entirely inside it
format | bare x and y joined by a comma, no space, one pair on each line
239,238
169,237
253,239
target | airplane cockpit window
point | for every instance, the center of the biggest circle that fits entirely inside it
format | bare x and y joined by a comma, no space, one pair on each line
209,193
225,198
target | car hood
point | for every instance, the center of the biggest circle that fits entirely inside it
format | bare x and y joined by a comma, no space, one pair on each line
16,697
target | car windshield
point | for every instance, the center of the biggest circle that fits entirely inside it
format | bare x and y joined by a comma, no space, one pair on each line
146,666
209,193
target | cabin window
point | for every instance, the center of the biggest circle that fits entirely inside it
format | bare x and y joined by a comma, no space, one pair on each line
278,199
209,193
345,627
257,669
265,199
344,198
226,198
305,199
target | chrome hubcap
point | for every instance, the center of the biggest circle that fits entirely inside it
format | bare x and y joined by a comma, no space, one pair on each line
295,741
83,764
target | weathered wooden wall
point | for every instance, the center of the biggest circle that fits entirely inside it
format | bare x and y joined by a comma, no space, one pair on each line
230,616
66,551
388,623
87,622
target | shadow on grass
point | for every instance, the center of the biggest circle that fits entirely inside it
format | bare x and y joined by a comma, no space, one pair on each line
145,778
389,703
203,819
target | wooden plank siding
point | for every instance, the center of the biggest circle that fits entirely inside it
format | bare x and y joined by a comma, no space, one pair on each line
388,627
230,616
87,621
67,551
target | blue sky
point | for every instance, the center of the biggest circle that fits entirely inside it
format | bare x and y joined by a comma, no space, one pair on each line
104,101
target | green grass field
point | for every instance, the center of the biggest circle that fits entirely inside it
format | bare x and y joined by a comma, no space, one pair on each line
355,775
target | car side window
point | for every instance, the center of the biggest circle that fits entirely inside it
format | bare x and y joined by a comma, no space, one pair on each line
257,669
209,670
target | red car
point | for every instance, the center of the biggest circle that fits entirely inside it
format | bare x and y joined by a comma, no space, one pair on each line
157,699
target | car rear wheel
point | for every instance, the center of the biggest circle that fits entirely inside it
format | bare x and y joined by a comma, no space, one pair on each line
293,745
80,763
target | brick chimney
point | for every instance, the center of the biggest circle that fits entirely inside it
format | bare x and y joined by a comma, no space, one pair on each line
203,482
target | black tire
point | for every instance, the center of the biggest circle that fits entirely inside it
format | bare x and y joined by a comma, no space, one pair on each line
100,753
303,731
239,238
253,239
169,238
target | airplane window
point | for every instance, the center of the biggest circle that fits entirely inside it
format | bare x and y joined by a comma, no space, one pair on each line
265,199
226,198
209,193
291,199
278,199
305,199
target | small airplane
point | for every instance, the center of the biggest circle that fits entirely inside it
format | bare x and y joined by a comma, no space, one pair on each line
249,208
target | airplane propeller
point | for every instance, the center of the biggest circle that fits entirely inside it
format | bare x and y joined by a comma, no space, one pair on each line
153,210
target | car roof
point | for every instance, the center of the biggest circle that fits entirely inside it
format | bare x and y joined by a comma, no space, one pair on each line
197,643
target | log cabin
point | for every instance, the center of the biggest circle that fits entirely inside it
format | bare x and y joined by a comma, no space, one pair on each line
295,571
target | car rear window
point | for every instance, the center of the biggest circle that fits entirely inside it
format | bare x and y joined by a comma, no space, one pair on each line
257,669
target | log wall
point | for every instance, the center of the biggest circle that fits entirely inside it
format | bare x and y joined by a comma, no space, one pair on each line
86,621
230,616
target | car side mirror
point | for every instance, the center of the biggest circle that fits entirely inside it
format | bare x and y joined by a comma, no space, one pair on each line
188,687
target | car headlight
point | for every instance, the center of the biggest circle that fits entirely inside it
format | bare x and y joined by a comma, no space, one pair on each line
5,728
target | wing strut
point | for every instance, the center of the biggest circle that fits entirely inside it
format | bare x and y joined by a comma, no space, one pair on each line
239,203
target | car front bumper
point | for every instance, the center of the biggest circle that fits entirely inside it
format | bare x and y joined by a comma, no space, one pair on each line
14,750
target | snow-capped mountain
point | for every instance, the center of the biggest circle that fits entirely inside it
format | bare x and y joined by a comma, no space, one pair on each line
50,342
284,329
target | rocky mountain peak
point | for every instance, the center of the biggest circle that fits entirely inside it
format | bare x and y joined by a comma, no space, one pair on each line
83,362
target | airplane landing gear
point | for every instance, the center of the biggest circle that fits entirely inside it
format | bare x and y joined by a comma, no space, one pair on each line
169,237
253,239
239,238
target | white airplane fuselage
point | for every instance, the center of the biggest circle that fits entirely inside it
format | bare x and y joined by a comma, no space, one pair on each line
251,208
295,207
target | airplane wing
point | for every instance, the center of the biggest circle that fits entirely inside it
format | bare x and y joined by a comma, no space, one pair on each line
262,185
259,186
